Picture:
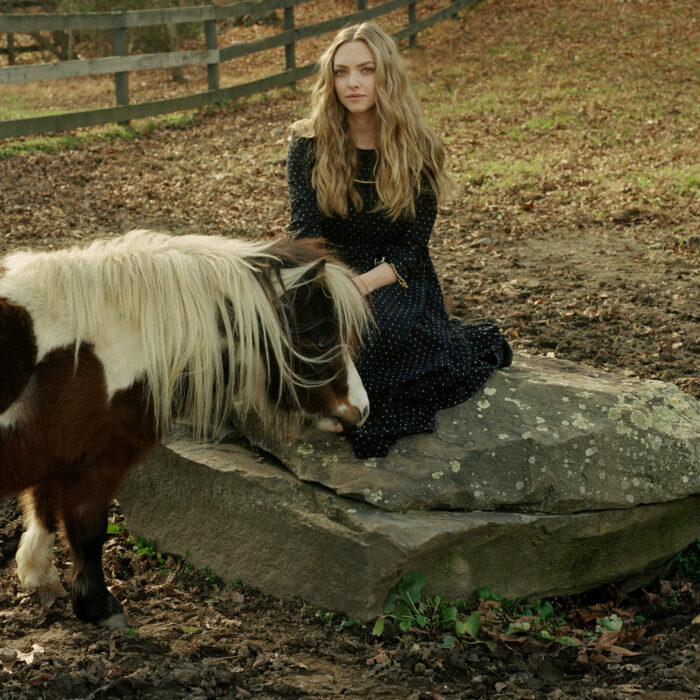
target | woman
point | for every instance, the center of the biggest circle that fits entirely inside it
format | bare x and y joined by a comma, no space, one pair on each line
366,173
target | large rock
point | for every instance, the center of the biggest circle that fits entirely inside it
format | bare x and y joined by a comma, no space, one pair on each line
543,436
552,480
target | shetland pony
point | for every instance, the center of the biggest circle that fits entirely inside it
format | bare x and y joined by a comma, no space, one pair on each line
102,347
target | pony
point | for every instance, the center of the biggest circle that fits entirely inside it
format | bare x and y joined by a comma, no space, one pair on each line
103,347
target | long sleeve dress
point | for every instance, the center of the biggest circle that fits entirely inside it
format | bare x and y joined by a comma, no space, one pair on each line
417,360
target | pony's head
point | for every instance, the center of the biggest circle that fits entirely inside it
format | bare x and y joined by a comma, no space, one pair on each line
324,317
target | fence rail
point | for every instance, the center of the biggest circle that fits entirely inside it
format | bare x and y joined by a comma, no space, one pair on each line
120,64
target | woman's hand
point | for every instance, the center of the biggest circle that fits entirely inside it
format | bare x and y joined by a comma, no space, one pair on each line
377,277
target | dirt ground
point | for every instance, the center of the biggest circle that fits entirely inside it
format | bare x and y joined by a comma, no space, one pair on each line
571,131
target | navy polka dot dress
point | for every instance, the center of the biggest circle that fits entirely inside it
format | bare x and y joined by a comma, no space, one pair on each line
418,360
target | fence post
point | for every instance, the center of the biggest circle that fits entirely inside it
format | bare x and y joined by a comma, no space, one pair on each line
413,39
361,5
119,48
289,59
211,40
11,48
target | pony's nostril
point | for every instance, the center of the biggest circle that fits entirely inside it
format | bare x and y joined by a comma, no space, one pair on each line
365,414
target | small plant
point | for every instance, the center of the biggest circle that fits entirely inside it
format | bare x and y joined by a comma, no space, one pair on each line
234,583
429,615
345,623
209,575
115,528
146,549
673,600
612,623
186,566
325,617
686,564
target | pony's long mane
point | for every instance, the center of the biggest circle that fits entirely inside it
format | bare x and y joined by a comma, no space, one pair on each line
183,300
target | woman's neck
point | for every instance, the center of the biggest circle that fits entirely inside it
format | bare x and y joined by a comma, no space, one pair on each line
363,129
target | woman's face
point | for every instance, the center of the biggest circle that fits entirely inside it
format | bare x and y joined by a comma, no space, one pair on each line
355,74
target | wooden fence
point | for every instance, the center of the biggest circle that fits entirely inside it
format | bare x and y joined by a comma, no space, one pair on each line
120,64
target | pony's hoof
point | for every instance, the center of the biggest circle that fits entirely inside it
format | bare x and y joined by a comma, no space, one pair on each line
100,608
49,594
116,622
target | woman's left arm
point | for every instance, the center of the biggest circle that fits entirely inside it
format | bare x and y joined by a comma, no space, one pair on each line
399,261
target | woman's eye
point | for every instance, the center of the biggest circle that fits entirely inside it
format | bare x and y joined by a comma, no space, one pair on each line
368,70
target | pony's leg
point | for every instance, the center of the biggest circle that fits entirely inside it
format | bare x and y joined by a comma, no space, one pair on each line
35,567
85,524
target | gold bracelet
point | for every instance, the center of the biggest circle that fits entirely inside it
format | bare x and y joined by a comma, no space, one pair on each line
364,182
399,279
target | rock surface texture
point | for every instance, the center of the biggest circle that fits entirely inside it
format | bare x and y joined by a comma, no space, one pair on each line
552,480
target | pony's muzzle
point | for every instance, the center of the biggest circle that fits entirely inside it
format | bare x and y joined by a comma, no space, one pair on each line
346,420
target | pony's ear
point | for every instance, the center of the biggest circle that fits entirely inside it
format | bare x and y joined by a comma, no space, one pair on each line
315,272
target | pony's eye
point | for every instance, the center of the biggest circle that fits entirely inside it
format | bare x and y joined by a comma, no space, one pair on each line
323,344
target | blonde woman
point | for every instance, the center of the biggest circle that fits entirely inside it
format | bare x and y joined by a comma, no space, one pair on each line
366,173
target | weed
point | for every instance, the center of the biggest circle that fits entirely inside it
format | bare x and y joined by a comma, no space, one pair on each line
540,619
613,623
144,547
234,583
209,575
115,528
186,566
673,600
429,615
686,564
188,630
344,624
325,617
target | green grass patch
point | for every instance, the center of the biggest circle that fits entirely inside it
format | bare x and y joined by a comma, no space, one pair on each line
13,106
113,132
547,122
504,174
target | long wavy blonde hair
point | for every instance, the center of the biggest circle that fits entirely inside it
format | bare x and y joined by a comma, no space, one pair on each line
409,150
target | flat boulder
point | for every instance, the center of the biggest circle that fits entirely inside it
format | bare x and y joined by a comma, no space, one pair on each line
542,436
553,479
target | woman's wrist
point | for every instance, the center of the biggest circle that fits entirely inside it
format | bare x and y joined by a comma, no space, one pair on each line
379,276
361,285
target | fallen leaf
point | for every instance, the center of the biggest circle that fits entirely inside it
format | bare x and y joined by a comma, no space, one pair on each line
39,678
28,658
621,651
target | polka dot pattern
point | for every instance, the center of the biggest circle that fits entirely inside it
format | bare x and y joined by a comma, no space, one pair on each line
418,360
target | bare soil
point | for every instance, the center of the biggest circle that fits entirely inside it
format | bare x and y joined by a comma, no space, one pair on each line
571,130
